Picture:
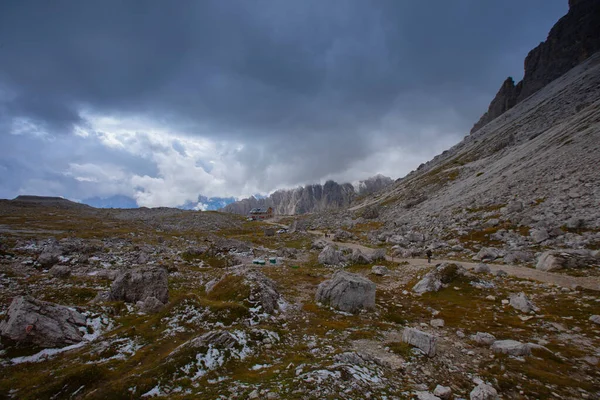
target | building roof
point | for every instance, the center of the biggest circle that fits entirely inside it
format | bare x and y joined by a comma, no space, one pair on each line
259,210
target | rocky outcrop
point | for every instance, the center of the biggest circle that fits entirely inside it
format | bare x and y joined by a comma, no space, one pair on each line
42,323
311,198
347,292
139,284
505,99
573,39
484,391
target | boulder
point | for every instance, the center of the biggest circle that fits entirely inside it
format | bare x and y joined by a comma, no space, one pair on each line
380,270
60,271
421,340
487,254
424,395
443,392
574,223
138,284
318,244
595,319
484,391
521,302
437,323
358,257
517,257
347,292
483,338
49,256
150,305
330,256
482,269
263,291
539,235
554,260
378,255
438,278
42,323
511,347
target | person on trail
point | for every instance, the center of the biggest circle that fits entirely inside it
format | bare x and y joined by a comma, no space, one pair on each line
429,254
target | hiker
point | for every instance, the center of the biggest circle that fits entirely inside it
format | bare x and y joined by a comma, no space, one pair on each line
429,254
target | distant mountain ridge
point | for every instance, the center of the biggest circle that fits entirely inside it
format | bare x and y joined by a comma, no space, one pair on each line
311,198
573,39
203,203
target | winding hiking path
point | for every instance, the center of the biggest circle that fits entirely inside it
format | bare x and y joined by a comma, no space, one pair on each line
588,282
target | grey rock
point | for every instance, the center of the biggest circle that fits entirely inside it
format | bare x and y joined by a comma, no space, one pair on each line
521,302
483,338
422,340
378,255
517,257
358,257
539,235
575,223
595,319
426,396
42,323
438,277
511,347
484,391
150,305
330,256
318,244
437,323
501,273
380,270
263,291
482,269
138,284
443,392
347,292
49,256
487,254
60,271
554,260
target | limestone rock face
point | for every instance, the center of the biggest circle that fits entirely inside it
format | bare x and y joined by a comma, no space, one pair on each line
347,292
42,323
138,284
312,198
421,340
574,38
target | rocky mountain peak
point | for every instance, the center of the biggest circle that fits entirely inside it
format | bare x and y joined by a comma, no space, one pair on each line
573,39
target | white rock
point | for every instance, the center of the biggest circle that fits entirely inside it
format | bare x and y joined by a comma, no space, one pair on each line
443,392
421,340
521,302
483,338
595,319
511,347
437,323
484,392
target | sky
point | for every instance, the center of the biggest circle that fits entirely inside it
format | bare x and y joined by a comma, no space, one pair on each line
165,101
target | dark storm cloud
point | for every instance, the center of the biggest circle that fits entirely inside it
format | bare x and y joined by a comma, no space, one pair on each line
306,81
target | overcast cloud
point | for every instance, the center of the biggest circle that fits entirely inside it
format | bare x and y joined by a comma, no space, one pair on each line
163,101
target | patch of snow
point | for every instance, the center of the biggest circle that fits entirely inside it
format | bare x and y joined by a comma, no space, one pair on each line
155,391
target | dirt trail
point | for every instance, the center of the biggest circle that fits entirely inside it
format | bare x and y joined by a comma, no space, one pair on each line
588,282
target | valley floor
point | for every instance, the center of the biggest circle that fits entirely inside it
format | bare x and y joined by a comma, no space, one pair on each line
217,337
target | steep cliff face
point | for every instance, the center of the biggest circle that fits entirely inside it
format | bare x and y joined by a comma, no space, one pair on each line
573,39
311,198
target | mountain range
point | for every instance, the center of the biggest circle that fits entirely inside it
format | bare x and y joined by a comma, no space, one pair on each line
312,198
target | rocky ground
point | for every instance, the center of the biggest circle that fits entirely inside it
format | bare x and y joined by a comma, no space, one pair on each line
103,304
